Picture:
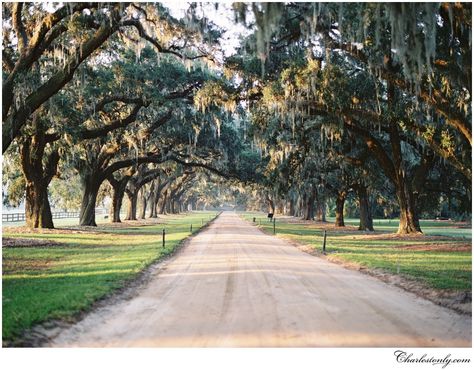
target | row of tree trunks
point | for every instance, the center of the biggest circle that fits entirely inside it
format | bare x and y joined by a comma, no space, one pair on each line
314,208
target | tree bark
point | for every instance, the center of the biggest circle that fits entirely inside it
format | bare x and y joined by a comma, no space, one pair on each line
271,204
168,205
173,206
153,199
143,203
89,199
119,187
365,222
37,208
153,207
340,200
160,185
409,222
321,211
163,203
309,211
37,176
309,205
132,205
292,207
408,215
117,200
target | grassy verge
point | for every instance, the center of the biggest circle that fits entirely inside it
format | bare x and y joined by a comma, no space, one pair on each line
58,281
438,260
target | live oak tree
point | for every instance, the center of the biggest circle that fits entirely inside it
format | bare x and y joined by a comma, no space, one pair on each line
57,41
323,107
53,49
405,127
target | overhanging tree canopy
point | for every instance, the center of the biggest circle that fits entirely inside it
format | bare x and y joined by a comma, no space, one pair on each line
319,97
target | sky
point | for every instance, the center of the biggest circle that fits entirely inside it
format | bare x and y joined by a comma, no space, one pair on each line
223,17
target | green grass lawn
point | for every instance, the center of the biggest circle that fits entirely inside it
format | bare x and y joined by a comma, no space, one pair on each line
56,282
448,267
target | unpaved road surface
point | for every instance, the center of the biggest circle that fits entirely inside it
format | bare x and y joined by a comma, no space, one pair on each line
233,286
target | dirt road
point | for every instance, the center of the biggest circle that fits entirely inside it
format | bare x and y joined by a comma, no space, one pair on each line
234,286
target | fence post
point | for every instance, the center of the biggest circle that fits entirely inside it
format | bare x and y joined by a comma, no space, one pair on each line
164,233
324,242
254,219
191,228
274,230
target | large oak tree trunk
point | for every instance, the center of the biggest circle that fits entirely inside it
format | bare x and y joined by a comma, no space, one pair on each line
309,206
143,203
117,200
292,207
132,205
163,203
173,206
168,205
37,208
393,165
153,206
118,187
408,214
340,200
409,222
271,205
309,211
37,176
321,211
89,199
153,200
365,221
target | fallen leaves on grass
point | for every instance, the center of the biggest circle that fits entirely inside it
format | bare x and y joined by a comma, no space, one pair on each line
27,243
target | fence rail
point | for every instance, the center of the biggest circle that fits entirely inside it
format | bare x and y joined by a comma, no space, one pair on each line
15,217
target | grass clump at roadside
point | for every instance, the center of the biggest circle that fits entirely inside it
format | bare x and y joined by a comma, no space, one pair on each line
438,260
57,281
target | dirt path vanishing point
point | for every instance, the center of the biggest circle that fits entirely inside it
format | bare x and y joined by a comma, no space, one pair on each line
234,286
